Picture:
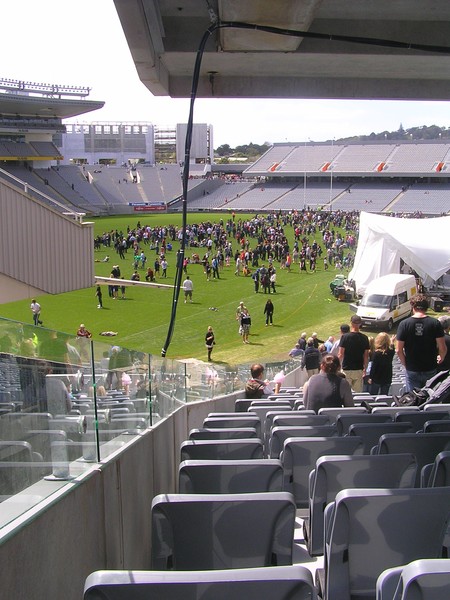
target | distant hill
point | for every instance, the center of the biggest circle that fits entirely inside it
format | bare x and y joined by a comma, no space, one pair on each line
424,132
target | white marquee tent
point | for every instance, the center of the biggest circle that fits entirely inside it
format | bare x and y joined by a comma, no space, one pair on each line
423,244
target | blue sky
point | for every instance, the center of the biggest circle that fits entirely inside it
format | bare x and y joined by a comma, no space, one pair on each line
82,43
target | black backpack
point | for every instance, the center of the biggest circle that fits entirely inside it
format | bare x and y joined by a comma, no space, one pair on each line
435,391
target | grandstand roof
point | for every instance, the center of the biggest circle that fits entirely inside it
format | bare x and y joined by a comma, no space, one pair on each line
17,104
163,36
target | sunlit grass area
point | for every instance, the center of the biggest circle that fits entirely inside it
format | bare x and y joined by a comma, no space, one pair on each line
303,302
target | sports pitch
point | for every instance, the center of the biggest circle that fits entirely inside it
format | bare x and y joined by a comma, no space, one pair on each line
303,302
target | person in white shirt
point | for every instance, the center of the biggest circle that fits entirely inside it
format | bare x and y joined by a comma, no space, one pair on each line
188,288
36,310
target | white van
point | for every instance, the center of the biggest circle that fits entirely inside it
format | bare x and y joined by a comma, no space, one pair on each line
386,301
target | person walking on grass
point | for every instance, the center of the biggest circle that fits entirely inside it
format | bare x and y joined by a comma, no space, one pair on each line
268,311
209,341
98,293
188,288
246,322
36,310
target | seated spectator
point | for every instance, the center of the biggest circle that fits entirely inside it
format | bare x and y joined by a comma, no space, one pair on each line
328,388
296,351
256,387
135,276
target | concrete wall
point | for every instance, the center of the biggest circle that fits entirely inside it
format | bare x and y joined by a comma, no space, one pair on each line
101,521
53,253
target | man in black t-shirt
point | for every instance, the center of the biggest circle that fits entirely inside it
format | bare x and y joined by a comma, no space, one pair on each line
420,344
354,354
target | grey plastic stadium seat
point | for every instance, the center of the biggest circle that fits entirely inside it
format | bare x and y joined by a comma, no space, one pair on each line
274,583
221,449
425,579
299,420
424,446
332,413
242,404
419,418
343,422
437,408
16,476
229,415
440,471
230,476
335,473
41,441
436,426
229,531
299,458
267,422
370,433
393,410
243,421
373,530
225,433
278,435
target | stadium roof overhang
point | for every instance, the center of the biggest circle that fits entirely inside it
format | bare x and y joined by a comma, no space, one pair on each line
39,106
164,35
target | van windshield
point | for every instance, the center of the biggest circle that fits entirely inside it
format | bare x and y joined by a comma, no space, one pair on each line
376,301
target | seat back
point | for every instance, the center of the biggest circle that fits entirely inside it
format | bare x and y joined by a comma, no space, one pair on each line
278,435
343,422
227,422
419,418
370,432
267,418
230,476
437,408
221,449
241,405
335,473
229,531
299,459
393,410
440,471
373,530
425,579
436,426
332,412
424,446
298,420
274,583
225,433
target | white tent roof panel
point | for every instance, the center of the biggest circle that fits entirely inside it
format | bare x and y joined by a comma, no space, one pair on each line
424,244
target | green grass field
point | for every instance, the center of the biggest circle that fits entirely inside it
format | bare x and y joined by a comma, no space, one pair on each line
302,303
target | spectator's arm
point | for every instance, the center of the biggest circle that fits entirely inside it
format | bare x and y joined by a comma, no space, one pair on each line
401,352
347,396
442,349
